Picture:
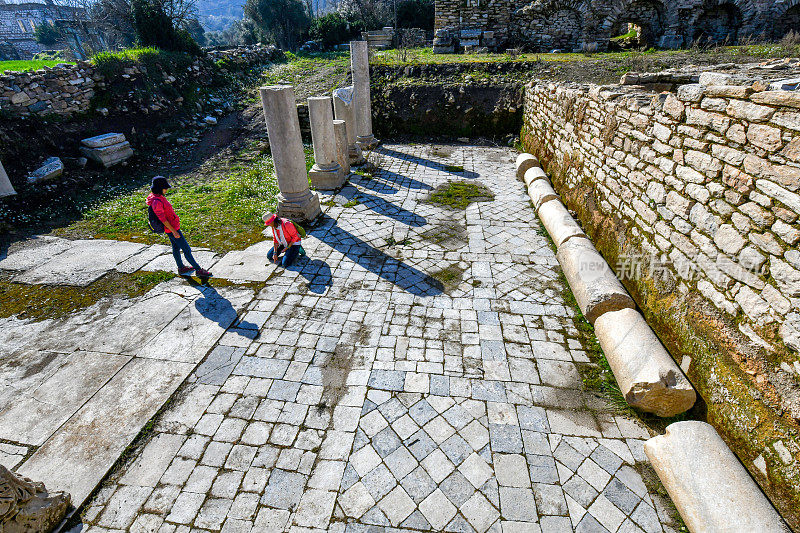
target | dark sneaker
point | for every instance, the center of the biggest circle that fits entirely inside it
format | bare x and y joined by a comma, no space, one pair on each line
204,274
185,271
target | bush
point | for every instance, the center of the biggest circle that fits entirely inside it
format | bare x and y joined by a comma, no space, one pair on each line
47,34
113,64
155,28
416,14
333,29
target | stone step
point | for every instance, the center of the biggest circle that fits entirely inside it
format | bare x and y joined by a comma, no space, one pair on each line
645,372
709,486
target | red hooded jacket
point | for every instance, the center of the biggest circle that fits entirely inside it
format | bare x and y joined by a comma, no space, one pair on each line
289,232
164,211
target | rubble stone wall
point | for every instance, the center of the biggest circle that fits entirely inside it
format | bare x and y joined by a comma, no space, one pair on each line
583,24
694,196
69,90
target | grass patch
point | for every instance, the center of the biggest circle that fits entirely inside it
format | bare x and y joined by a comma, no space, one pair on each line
311,74
352,203
113,64
454,168
449,277
31,64
41,302
460,194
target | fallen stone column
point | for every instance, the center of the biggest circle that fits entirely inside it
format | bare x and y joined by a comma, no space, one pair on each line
709,486
524,162
6,189
533,174
540,192
326,174
359,59
558,222
295,201
595,286
342,154
645,372
343,110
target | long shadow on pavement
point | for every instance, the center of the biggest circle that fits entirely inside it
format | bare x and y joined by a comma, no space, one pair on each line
385,266
316,271
383,207
216,308
467,174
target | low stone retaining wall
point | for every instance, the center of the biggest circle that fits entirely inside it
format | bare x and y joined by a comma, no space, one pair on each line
692,196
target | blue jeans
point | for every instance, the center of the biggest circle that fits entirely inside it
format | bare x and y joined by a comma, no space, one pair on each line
288,257
179,245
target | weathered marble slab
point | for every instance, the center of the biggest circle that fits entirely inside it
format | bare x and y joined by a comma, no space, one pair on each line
250,264
82,263
33,252
166,263
78,456
107,139
35,414
139,260
198,326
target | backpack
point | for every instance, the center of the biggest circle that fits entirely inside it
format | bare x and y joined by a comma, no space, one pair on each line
156,226
300,230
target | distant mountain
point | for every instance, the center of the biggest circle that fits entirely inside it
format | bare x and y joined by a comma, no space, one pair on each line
216,15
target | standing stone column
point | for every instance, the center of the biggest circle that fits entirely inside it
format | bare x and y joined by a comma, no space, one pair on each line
6,189
295,201
343,110
326,174
340,133
359,60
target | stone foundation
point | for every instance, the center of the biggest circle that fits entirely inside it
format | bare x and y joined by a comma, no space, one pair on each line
692,197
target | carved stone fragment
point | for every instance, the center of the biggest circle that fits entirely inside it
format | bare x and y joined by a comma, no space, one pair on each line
27,507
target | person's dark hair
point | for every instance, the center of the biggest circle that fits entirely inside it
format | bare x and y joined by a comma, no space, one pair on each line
158,184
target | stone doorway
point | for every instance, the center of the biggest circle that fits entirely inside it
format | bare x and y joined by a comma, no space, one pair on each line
718,24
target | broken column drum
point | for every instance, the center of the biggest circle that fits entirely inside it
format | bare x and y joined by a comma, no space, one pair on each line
342,155
359,59
6,189
326,172
343,110
295,200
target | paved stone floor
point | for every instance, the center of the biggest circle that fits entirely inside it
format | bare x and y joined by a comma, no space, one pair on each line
357,392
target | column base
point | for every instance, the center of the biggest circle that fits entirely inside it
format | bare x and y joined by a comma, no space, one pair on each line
327,179
303,207
356,155
367,142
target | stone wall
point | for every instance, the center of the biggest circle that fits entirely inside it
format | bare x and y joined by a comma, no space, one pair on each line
694,196
570,25
69,90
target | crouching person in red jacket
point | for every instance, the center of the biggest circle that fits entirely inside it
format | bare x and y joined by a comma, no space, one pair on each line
285,240
172,227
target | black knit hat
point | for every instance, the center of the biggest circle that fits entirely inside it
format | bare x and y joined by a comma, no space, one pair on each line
158,184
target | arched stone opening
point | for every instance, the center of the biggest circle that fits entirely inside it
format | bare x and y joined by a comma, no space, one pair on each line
567,28
788,22
718,24
639,25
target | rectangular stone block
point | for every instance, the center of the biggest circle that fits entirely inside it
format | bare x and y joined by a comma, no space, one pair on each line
101,141
108,156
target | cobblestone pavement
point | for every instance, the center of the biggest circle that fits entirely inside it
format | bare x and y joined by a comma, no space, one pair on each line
366,392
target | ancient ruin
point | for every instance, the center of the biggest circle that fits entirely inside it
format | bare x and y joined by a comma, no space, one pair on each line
27,507
585,25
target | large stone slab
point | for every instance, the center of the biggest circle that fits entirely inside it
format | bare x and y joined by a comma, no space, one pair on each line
524,162
101,141
558,222
35,414
108,156
166,263
82,263
595,286
79,455
206,318
50,169
709,486
138,261
647,376
32,252
250,264
6,189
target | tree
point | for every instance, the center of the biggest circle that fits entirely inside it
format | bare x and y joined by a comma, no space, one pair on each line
197,31
47,34
282,20
155,27
416,14
333,29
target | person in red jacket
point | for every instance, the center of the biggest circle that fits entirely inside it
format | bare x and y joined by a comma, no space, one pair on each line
172,227
285,240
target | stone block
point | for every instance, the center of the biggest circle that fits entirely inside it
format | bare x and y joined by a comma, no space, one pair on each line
6,189
111,155
559,223
724,497
51,169
595,286
28,506
101,141
540,192
524,162
647,375
533,174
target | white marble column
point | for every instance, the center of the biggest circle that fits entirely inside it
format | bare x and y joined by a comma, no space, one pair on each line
326,174
343,110
6,189
342,155
359,60
295,201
